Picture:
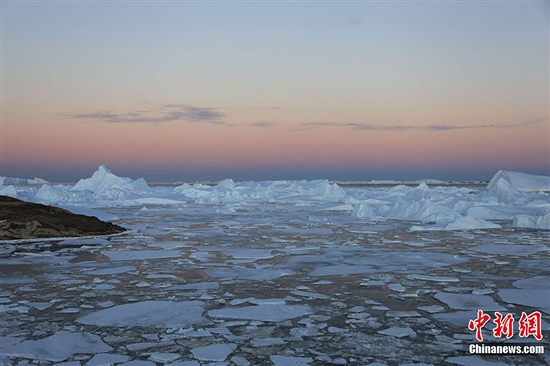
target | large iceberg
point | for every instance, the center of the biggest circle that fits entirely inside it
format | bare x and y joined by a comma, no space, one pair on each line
525,197
520,181
103,180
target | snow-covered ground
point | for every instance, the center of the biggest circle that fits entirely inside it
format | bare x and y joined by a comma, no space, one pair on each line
278,273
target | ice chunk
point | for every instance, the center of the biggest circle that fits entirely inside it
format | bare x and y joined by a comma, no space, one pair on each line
273,313
247,273
138,363
399,332
164,357
57,347
266,342
248,253
266,301
84,242
131,255
533,283
459,319
7,181
363,210
514,250
160,314
8,342
341,270
156,201
215,352
290,360
57,193
40,305
540,221
402,313
309,294
535,298
433,278
470,223
104,359
240,361
8,191
473,361
468,302
226,184
431,308
195,286
397,287
111,271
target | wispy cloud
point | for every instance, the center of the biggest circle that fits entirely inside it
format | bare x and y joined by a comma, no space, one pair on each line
263,124
161,114
527,122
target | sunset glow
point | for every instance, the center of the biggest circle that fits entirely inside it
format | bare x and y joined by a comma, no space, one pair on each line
254,91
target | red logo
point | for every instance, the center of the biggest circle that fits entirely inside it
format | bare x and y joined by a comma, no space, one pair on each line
503,325
479,323
528,325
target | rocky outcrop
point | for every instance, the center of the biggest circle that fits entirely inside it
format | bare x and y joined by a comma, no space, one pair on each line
26,220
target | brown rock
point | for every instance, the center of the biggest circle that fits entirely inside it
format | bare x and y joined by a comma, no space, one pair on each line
26,220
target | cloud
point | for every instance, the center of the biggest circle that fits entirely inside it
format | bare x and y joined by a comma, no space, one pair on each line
163,113
263,124
527,122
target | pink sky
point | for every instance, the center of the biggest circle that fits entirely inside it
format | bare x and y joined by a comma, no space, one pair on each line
265,91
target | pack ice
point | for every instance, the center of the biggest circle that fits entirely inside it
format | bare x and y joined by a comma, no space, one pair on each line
515,198
277,273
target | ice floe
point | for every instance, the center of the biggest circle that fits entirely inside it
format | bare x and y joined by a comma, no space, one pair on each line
215,352
162,314
267,312
57,347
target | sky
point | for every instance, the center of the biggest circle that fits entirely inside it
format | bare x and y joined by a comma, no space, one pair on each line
193,91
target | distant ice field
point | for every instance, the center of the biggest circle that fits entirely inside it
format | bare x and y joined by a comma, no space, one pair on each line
510,198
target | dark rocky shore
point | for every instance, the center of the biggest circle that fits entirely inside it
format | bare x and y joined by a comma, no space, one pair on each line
26,220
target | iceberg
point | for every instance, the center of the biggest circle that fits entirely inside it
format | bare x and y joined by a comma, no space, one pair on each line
539,221
103,180
8,191
10,181
512,196
520,181
57,193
